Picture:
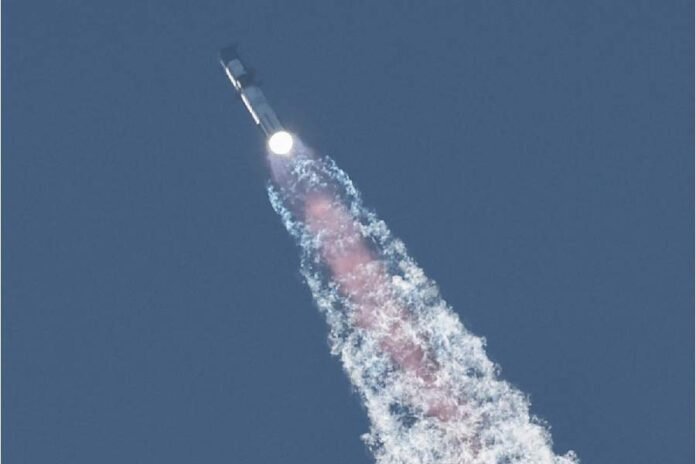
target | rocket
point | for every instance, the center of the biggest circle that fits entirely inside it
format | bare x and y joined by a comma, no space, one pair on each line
280,142
255,101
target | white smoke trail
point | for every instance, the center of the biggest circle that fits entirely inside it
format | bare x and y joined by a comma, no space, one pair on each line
431,393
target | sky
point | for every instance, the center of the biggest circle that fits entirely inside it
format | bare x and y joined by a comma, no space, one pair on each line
536,158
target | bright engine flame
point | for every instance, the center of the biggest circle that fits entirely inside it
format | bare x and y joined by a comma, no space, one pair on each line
280,143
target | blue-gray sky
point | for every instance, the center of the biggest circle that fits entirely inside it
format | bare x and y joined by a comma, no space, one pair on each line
536,157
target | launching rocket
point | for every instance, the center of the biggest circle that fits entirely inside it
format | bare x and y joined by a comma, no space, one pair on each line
279,141
255,101
432,394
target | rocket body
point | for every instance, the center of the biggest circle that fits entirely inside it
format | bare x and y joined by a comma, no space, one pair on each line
254,100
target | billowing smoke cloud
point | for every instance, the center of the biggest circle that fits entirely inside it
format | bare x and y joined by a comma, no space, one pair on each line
431,393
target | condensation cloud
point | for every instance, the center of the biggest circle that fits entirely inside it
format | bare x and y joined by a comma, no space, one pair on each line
431,392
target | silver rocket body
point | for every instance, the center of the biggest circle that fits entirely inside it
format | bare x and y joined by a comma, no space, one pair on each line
255,101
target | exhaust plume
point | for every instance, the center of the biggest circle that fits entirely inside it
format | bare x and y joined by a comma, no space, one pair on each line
431,393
